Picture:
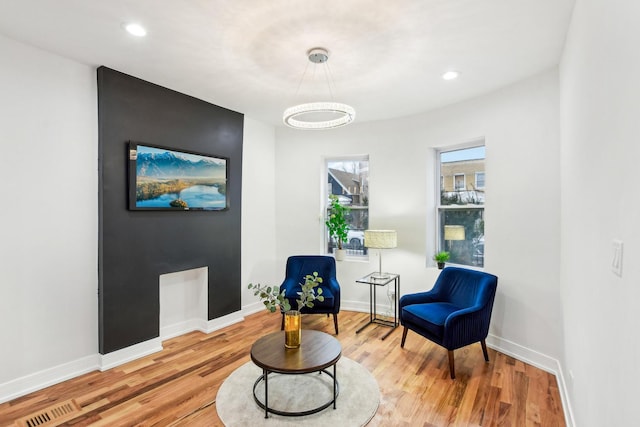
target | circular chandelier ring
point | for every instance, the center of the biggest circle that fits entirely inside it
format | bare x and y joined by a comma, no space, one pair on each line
292,115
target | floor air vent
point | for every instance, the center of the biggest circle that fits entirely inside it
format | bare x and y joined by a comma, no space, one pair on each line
51,416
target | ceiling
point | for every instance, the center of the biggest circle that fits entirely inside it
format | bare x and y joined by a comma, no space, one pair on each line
386,57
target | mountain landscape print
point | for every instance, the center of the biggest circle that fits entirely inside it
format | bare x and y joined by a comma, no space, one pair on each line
172,179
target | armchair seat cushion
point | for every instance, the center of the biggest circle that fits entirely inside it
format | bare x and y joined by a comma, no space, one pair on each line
430,316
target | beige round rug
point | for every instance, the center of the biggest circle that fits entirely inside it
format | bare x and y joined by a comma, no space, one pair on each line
357,401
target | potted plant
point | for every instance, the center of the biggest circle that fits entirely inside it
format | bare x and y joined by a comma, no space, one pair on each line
440,258
272,298
337,225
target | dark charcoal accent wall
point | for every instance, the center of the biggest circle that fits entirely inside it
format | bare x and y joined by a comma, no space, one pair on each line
138,246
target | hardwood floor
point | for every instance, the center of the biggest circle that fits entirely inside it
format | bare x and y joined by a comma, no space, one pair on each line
178,386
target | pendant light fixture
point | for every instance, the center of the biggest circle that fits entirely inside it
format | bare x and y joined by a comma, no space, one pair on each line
319,115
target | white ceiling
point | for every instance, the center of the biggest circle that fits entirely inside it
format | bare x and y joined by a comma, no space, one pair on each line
386,56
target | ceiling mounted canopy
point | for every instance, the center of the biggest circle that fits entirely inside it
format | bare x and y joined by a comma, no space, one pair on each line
319,115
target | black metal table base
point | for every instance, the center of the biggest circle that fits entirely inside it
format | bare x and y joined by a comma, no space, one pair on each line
265,377
373,283
389,323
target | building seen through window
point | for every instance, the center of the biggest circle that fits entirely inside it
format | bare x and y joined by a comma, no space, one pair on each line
348,180
461,205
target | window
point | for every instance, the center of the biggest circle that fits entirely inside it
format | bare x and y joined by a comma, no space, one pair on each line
460,209
458,181
348,179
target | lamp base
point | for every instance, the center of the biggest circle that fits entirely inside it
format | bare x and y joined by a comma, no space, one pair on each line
379,276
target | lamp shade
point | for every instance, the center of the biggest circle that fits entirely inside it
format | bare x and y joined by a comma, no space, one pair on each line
454,232
380,239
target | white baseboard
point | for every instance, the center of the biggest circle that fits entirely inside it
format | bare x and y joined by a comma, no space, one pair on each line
47,377
523,354
252,308
539,360
363,307
564,395
223,321
181,328
136,351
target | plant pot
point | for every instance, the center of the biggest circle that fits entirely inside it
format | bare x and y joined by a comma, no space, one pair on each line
292,328
340,254
440,265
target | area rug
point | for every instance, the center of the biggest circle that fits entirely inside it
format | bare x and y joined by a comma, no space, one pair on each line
357,401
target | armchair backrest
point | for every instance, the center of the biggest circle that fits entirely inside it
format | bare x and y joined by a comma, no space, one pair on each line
301,265
466,288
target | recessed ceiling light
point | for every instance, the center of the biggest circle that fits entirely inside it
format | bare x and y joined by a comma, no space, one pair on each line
136,30
450,75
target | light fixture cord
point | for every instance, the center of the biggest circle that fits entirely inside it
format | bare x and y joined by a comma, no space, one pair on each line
328,75
301,80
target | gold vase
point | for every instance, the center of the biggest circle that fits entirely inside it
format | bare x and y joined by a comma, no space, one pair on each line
292,329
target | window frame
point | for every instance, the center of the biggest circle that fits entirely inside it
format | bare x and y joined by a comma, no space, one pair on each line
439,208
324,204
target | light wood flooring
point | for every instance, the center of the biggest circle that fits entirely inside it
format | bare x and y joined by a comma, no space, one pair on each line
178,386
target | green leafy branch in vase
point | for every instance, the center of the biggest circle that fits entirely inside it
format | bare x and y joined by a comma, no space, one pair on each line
270,296
309,294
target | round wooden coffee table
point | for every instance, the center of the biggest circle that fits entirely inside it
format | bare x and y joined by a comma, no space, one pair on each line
318,352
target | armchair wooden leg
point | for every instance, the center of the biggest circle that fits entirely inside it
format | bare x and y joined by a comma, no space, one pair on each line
282,324
335,321
452,369
484,350
404,337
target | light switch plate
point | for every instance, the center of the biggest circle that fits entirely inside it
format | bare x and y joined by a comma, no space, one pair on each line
616,263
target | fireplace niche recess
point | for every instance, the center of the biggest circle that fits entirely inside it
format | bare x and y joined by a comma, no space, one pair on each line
183,302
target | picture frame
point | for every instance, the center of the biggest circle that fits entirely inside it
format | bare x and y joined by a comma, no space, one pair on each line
174,179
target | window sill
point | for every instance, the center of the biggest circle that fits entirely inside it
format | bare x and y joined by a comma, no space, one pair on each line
468,267
352,258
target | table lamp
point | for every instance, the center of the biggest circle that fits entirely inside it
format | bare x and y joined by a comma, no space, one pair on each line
380,239
453,232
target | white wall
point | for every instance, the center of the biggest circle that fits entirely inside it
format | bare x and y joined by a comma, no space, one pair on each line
258,211
49,225
520,125
600,151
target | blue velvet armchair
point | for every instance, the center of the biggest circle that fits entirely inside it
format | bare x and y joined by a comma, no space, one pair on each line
301,265
455,313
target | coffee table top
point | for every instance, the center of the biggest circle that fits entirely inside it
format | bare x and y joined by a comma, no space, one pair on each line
317,351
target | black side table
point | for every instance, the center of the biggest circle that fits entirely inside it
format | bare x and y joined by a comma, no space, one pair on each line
373,281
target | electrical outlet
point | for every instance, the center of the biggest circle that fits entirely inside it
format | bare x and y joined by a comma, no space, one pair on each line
616,262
